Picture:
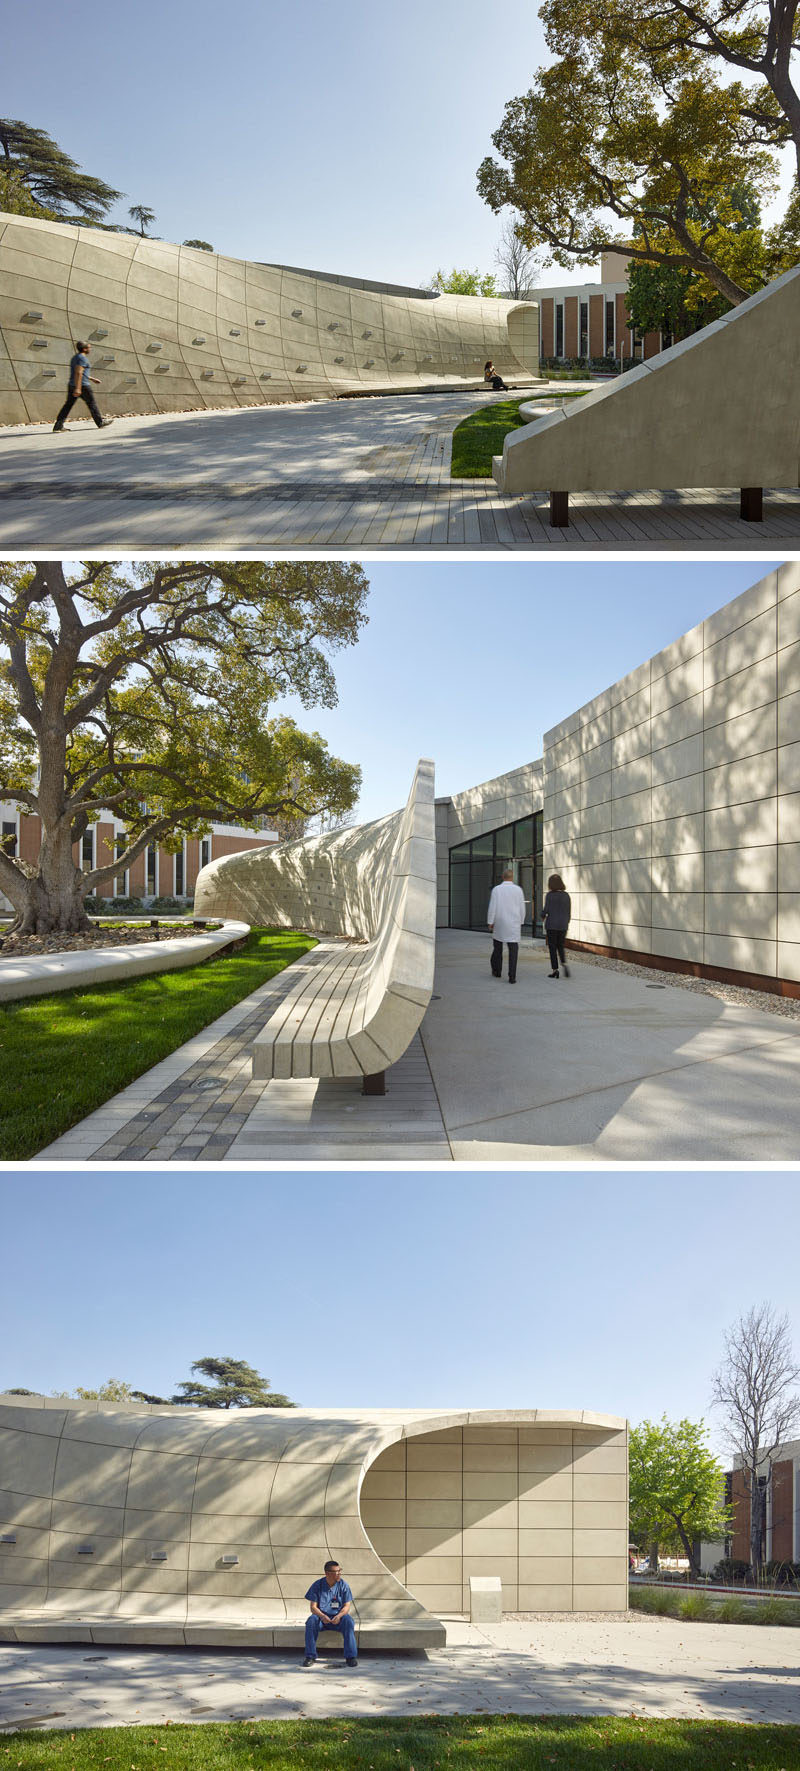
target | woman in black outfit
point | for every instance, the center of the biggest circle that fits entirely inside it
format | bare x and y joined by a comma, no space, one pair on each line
490,374
556,915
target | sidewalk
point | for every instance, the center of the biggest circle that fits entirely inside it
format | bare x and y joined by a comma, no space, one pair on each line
328,474
543,1666
603,1067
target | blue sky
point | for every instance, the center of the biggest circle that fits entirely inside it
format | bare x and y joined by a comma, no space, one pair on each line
608,1291
341,138
471,662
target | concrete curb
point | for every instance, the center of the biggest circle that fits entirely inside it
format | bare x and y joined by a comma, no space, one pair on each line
94,965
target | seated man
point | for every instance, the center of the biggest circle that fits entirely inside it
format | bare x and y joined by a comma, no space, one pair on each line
330,1599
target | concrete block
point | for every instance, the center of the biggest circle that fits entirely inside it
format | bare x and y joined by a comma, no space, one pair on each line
485,1599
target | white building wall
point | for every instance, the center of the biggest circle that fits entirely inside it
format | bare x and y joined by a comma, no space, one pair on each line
672,800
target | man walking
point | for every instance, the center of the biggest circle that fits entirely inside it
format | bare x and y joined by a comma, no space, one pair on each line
505,916
330,1599
79,387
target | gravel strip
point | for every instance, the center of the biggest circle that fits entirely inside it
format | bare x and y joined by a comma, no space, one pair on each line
787,1006
132,935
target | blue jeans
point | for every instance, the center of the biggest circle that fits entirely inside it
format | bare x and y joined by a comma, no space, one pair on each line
313,1626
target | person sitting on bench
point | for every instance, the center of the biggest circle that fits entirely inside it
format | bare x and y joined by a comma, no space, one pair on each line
330,1599
490,374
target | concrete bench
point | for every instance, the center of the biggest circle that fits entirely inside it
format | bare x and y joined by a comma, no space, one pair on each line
355,1012
721,408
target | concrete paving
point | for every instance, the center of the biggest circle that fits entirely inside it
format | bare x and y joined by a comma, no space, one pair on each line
366,473
603,1067
201,1105
549,1666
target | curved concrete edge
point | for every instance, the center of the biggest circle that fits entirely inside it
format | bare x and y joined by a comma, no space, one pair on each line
56,1452
717,409
49,972
175,329
376,883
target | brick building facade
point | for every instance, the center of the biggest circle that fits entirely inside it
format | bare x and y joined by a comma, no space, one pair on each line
154,874
591,319
782,1534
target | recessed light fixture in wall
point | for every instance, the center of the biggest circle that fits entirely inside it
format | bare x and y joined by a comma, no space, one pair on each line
158,1555
235,332
198,340
99,332
38,344
85,1549
266,375
8,1537
301,368
297,313
229,1561
32,314
366,334
260,322
152,348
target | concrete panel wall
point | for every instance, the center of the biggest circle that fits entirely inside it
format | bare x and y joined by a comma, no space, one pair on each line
125,1519
477,810
672,800
686,417
543,1508
175,329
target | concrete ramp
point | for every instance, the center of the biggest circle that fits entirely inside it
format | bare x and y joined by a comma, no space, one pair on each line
719,409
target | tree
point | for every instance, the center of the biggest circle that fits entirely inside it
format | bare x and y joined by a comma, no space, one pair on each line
754,1388
677,1487
519,267
144,216
632,151
754,37
465,283
55,183
199,245
234,1384
113,1390
145,693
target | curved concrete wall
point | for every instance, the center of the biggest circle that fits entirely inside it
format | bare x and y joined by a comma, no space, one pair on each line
120,1523
174,329
719,409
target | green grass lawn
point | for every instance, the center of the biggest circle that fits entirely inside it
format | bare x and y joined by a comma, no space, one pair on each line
699,1607
477,438
421,1743
65,1054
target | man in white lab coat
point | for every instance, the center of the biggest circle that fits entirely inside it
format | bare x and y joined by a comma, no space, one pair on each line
505,916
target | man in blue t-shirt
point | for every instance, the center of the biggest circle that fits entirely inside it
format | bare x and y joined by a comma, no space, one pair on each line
330,1599
79,387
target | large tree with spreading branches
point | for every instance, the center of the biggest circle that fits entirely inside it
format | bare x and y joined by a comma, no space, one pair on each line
55,185
145,692
638,139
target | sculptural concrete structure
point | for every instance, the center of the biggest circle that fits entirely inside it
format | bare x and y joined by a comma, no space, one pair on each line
670,802
134,1523
721,408
173,328
374,885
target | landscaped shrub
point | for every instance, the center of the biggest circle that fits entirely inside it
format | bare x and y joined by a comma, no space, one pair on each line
782,1574
696,1605
731,1570
133,906
173,905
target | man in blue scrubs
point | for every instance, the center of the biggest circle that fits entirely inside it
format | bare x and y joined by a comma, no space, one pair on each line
330,1599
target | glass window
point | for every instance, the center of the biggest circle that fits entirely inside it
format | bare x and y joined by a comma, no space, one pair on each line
610,329
205,851
8,842
559,350
179,875
583,341
87,850
477,865
152,871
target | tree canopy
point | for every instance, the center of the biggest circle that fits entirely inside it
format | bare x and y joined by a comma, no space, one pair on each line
634,140
677,1487
145,691
465,282
232,1384
55,184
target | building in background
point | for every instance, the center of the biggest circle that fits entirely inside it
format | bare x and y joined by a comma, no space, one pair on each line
591,320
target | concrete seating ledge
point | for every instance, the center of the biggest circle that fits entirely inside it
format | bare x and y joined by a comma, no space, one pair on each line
48,972
397,1635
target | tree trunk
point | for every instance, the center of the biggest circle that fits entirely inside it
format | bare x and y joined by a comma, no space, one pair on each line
652,1555
758,1514
53,899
